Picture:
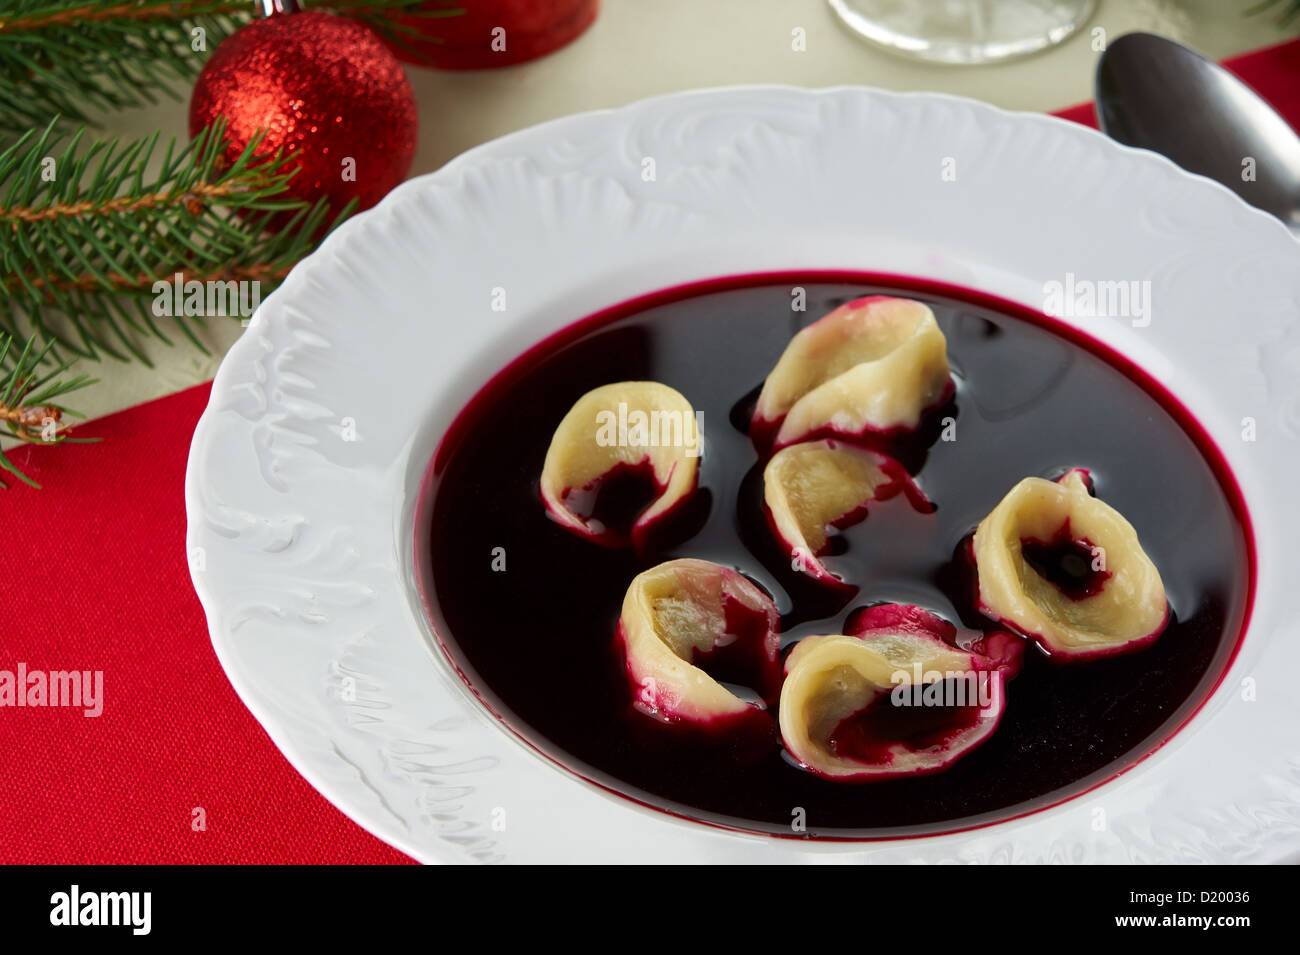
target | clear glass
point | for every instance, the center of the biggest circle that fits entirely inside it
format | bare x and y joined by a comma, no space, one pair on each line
964,31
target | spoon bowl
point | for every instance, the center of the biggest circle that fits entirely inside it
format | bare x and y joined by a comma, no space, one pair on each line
1156,94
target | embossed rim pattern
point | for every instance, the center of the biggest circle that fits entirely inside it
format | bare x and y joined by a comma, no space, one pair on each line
306,467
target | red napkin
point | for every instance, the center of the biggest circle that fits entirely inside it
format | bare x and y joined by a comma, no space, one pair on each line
96,579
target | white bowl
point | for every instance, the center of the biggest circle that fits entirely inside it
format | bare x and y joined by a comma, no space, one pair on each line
306,467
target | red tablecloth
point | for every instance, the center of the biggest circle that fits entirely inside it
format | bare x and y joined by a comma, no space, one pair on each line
95,576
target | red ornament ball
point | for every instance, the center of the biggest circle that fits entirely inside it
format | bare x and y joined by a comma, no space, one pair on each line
489,33
323,88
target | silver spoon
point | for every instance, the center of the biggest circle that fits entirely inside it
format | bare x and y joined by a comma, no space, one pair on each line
1156,94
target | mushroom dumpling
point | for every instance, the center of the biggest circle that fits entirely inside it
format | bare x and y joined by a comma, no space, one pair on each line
630,431
686,626
1068,571
904,693
873,365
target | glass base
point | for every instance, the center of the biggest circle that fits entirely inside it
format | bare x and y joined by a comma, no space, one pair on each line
964,31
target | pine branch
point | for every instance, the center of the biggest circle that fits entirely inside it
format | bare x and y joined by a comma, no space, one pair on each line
87,235
27,399
1290,10
72,57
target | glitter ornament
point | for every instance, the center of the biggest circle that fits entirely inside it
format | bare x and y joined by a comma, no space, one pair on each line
321,87
488,33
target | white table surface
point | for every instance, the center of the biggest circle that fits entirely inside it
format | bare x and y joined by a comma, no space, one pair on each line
639,48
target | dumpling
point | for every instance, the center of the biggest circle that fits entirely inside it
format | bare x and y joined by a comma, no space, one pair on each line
688,624
1068,571
904,693
811,487
873,365
638,436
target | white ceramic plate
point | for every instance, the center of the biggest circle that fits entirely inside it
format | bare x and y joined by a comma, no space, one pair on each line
306,467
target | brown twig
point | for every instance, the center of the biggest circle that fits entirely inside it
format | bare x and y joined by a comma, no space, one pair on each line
122,11
192,198
29,419
145,280
178,10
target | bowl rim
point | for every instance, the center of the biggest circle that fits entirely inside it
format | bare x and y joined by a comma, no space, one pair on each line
227,384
